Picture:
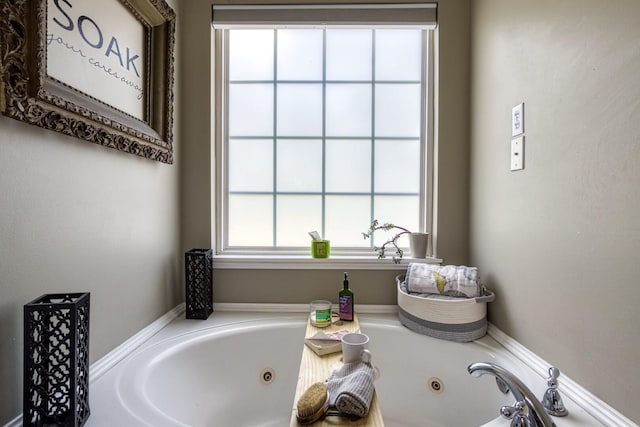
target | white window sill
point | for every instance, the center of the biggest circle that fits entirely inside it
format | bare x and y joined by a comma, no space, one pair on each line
305,262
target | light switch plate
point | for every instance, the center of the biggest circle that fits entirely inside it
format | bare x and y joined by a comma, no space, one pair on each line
517,153
517,119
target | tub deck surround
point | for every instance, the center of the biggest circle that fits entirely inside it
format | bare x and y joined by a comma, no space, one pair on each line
314,368
400,390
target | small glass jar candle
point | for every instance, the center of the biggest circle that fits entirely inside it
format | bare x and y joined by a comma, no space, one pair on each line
320,313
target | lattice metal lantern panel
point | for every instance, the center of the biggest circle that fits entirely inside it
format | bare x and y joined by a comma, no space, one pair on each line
198,283
56,360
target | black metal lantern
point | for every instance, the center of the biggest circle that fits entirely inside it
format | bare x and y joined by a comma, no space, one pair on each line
198,283
56,360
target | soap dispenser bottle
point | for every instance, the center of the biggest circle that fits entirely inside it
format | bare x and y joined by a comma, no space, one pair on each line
345,300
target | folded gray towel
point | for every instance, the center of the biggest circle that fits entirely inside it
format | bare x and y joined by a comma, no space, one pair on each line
351,388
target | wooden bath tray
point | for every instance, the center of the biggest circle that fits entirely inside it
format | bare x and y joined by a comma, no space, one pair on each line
314,368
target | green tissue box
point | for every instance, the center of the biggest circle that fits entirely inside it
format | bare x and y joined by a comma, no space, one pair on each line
320,248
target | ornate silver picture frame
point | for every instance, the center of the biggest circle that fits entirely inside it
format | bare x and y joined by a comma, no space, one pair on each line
99,71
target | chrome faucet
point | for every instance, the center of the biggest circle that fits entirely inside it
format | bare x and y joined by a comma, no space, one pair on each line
527,411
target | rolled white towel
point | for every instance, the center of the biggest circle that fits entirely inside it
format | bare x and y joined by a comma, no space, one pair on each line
450,280
351,388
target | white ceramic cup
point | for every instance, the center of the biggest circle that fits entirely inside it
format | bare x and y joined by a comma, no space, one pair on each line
355,348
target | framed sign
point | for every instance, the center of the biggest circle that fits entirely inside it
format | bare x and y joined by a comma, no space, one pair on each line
98,70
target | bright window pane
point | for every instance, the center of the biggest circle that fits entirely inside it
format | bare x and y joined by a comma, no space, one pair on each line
250,110
348,166
251,55
250,165
398,110
349,54
323,131
346,218
401,210
398,54
299,54
397,166
297,216
299,165
348,110
250,220
299,110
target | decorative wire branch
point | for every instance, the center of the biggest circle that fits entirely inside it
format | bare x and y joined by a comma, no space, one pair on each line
375,225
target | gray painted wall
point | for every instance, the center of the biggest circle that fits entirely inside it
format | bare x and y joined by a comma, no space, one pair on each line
77,217
559,242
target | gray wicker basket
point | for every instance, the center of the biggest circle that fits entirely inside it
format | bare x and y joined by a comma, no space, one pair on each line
447,318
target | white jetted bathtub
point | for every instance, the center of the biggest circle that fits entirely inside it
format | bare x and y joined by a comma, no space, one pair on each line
241,369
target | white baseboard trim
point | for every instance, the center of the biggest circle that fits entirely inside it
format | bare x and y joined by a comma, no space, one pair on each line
297,308
265,308
16,422
593,405
108,361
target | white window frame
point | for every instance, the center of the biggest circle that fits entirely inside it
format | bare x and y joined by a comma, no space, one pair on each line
362,258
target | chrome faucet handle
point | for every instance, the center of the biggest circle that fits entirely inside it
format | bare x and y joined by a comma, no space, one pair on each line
516,414
552,401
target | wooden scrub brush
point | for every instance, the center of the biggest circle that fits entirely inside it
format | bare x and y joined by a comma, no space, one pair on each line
313,404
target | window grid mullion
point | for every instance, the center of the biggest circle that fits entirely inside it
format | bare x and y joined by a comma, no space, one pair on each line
346,82
224,200
329,138
275,138
317,193
323,214
423,220
373,130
